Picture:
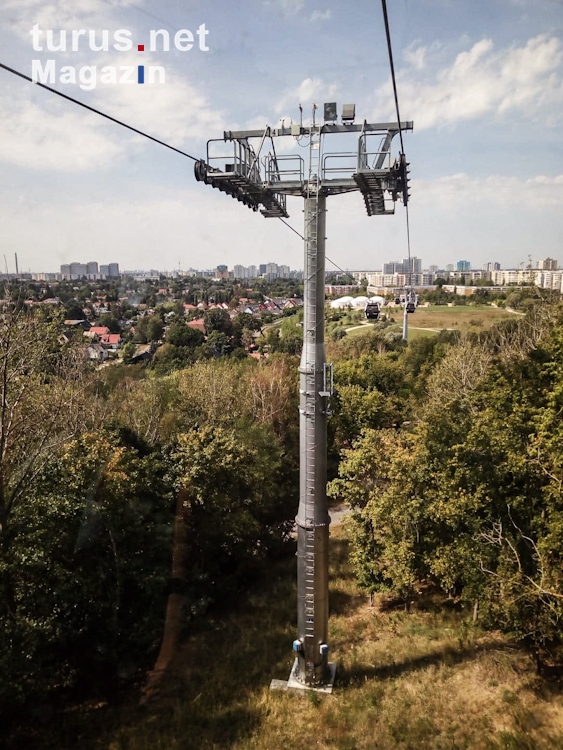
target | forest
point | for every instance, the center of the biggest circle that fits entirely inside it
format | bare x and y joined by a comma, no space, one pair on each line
448,452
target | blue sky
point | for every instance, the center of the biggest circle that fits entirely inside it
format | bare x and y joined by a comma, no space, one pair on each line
482,81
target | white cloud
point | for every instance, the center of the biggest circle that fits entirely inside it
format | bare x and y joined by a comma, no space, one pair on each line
175,110
309,91
45,136
39,131
320,15
415,55
287,7
459,190
198,226
482,81
292,6
21,15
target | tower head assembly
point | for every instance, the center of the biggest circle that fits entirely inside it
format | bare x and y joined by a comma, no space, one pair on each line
244,164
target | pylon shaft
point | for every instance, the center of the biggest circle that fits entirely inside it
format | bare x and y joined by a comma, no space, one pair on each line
312,518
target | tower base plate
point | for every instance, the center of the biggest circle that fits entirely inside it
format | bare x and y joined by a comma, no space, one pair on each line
294,684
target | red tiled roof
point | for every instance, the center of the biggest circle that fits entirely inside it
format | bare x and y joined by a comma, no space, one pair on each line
199,324
111,338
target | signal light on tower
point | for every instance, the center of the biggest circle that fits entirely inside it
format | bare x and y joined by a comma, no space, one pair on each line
330,112
406,171
348,112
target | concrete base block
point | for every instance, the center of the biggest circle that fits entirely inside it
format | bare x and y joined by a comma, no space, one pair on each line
295,684
278,685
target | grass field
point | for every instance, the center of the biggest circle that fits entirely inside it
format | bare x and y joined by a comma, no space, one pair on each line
429,320
424,679
416,333
460,318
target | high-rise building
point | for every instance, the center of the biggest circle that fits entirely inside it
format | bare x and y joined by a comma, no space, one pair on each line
404,266
489,267
547,264
252,272
113,270
262,269
240,272
415,265
92,268
77,270
463,265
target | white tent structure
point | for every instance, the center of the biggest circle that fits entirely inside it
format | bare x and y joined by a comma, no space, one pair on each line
349,303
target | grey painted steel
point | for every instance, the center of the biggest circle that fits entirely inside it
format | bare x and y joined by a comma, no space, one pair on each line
294,683
312,518
366,127
243,172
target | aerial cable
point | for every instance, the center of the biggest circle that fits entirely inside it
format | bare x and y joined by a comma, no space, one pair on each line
292,229
409,297
408,234
326,257
98,112
390,50
340,269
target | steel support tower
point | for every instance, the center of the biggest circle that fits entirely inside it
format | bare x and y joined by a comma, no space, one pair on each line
262,181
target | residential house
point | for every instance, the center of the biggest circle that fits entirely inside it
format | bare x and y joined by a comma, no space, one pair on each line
97,353
96,332
199,325
143,353
84,324
111,341
67,336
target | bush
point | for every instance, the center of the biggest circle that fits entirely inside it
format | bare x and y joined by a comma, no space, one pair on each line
84,570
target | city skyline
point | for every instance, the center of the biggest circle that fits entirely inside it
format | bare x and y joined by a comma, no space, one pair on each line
77,270
272,270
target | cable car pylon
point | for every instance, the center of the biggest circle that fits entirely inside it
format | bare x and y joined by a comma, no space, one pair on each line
261,180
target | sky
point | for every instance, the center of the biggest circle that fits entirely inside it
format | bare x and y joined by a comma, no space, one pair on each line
482,80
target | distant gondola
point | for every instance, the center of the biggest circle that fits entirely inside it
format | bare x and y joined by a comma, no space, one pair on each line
372,310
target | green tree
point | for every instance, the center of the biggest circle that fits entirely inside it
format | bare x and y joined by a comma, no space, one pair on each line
128,352
218,320
233,509
180,334
110,322
155,328
84,577
470,496
44,400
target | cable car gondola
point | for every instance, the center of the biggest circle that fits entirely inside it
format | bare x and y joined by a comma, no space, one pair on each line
372,310
411,301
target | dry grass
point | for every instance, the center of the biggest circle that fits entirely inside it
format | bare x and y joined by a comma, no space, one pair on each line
461,318
427,321
424,679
